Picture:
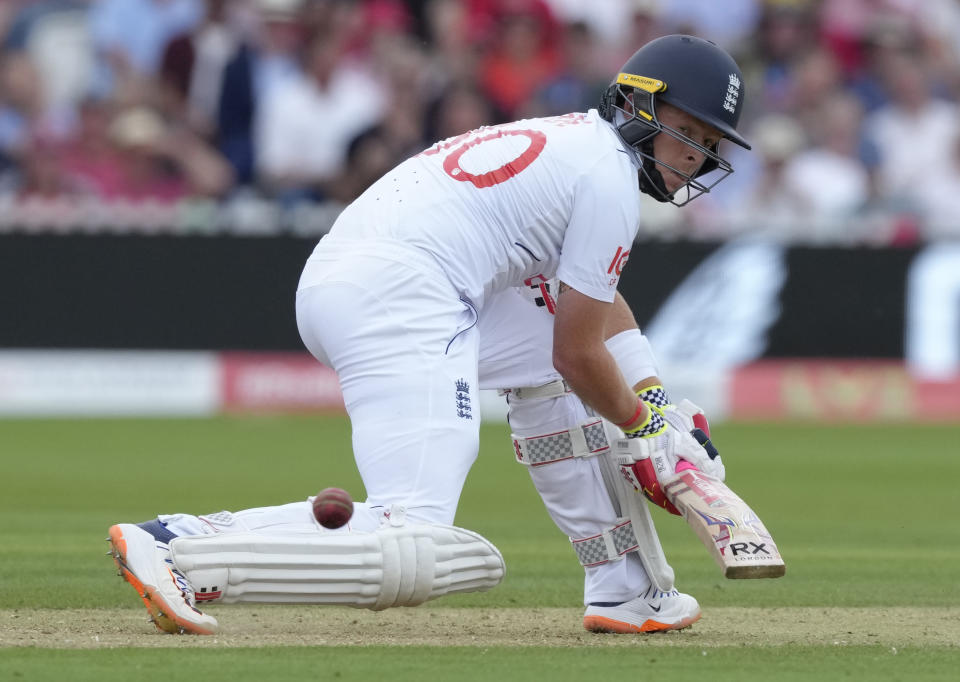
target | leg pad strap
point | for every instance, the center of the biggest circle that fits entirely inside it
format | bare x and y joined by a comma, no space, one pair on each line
610,545
587,439
553,389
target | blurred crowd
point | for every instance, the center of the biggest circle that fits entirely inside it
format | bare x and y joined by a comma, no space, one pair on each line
852,105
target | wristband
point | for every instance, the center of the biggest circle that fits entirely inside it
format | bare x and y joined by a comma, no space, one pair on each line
655,397
623,425
651,427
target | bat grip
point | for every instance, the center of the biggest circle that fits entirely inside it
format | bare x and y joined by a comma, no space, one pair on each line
700,422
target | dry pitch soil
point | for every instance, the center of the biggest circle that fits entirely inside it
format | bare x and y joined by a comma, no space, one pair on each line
256,626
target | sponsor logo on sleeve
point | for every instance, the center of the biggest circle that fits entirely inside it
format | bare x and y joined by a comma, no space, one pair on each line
616,265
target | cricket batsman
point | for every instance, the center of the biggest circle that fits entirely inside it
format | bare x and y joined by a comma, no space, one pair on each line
489,260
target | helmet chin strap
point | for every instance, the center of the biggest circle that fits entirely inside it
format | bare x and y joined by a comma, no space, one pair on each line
650,179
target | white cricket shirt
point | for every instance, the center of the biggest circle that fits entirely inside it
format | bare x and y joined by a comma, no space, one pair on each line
509,205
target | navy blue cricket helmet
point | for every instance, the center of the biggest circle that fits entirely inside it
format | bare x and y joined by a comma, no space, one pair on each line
691,74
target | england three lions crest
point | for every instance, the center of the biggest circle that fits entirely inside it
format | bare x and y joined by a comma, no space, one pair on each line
732,97
462,393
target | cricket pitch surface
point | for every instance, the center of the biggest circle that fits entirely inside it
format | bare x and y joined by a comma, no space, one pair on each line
256,626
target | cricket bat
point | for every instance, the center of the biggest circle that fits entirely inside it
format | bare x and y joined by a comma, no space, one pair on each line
733,534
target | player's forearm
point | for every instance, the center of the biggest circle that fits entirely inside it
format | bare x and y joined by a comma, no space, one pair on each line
581,356
595,378
647,383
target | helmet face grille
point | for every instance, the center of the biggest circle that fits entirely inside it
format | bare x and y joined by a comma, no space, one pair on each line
638,124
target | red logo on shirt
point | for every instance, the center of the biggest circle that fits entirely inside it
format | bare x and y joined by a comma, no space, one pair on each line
619,260
545,299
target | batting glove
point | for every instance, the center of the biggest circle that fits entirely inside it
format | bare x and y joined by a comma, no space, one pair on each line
658,449
688,418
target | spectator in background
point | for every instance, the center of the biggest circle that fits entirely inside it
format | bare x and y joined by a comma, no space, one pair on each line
44,70
770,206
129,37
19,103
581,79
726,23
267,57
149,159
25,115
848,30
642,26
609,21
885,37
193,66
306,123
809,79
940,21
910,131
452,56
461,107
55,35
400,133
43,176
814,78
939,195
522,58
401,65
89,153
829,177
785,32
455,36
7,12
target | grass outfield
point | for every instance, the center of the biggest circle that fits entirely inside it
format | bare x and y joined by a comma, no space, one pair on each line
863,515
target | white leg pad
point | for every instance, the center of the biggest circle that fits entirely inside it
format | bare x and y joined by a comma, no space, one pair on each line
634,506
391,566
592,438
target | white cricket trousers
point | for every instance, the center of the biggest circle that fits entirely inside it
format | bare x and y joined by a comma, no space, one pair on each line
400,340
411,355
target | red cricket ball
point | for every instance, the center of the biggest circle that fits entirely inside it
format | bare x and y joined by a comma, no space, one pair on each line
332,507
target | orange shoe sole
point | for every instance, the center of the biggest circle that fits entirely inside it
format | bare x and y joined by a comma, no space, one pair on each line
604,624
157,608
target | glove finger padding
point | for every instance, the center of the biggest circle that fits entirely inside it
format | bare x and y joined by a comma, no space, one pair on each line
641,475
649,463
646,463
704,439
700,422
690,419
685,416
692,451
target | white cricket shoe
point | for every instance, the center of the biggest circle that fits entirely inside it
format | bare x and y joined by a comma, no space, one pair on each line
653,611
145,563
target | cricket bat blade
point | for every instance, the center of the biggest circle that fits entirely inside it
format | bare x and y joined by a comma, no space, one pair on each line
733,534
